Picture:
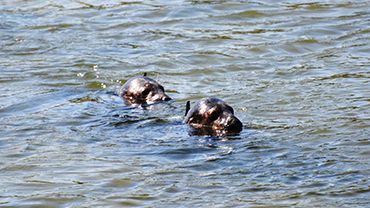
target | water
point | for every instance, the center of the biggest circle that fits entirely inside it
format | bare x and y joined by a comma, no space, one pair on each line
296,73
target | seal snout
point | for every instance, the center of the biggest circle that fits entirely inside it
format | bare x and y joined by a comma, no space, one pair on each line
234,124
227,121
158,97
166,98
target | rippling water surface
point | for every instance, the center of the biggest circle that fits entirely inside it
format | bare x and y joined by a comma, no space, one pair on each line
296,72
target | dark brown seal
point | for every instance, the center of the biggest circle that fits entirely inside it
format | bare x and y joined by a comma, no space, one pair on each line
212,116
143,90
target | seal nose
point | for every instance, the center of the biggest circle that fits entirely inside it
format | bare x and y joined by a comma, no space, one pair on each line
166,98
234,124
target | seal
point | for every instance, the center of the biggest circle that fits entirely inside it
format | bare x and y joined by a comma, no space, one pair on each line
212,116
143,90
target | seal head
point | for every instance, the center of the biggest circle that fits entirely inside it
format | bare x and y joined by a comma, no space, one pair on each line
143,90
213,116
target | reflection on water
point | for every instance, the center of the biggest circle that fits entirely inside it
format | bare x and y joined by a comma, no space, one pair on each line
296,73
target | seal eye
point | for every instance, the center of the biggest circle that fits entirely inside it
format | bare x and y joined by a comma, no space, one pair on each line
146,92
214,115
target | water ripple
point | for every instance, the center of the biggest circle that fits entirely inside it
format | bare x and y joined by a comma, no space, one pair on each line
295,72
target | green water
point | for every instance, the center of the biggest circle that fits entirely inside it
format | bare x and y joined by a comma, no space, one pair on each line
296,72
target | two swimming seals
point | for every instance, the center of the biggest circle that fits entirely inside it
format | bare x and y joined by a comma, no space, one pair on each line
208,116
